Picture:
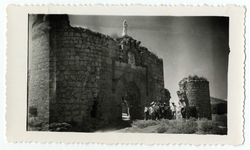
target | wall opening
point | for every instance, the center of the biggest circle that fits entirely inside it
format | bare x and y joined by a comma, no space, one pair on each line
131,102
125,108
33,112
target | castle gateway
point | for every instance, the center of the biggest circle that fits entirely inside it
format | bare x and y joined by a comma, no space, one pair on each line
84,78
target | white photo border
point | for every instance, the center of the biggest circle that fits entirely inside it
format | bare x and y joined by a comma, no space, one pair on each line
16,76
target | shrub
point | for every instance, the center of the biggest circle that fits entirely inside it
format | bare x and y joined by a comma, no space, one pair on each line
182,126
204,119
167,126
162,129
190,126
144,123
220,118
222,108
192,119
219,108
164,122
209,127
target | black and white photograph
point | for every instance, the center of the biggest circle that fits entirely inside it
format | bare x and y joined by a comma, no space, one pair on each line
127,74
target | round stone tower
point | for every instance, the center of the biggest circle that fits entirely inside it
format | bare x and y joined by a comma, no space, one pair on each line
197,97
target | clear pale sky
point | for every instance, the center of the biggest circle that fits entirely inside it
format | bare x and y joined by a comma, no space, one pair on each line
187,45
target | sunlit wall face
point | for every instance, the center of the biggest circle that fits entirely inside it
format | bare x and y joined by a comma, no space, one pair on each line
188,45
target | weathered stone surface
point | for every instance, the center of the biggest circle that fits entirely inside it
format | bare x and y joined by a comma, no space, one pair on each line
194,91
39,79
83,77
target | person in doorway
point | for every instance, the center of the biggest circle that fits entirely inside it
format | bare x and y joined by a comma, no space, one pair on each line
126,103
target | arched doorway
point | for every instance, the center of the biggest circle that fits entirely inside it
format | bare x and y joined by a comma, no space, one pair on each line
128,95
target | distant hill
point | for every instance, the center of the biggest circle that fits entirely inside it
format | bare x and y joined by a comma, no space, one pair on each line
214,100
218,106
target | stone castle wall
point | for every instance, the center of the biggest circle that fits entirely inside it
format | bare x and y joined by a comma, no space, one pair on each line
78,54
89,72
38,92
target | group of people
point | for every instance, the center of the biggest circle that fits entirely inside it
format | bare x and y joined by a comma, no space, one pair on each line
161,110
157,110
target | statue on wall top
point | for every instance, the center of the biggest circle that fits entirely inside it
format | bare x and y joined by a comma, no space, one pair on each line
125,27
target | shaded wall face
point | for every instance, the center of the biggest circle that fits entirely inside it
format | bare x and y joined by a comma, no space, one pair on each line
78,55
159,82
38,81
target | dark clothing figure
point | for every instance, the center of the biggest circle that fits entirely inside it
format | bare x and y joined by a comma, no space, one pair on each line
157,111
146,113
161,111
170,116
183,113
166,111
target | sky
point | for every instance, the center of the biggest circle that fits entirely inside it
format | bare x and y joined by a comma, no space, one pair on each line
188,45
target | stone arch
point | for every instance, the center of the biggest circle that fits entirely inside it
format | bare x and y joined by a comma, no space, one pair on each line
131,86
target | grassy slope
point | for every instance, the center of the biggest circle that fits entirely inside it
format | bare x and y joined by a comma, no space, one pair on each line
177,127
